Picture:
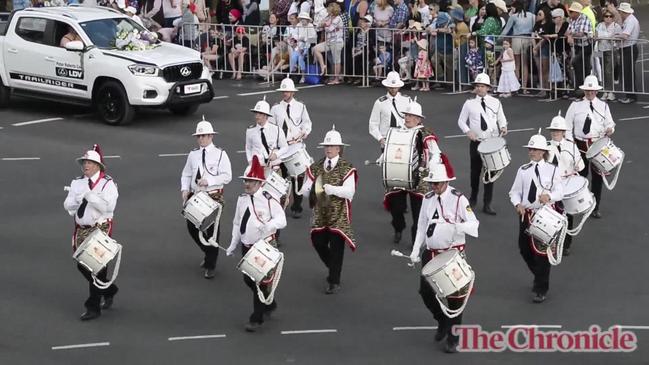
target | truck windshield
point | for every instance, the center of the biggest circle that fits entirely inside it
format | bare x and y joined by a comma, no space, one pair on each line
104,32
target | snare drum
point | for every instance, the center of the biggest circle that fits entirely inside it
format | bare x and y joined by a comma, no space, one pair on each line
201,210
276,185
577,198
260,261
400,159
605,155
546,226
448,273
494,153
297,163
96,251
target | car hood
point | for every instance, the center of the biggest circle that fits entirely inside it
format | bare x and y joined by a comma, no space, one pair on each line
164,55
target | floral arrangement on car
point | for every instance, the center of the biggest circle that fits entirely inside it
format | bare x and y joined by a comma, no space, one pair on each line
135,40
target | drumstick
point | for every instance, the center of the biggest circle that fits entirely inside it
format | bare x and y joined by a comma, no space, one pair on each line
400,254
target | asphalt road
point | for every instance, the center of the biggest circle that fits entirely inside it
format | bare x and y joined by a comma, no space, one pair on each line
163,294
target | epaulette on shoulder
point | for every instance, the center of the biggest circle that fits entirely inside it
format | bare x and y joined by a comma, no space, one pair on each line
429,195
267,195
242,195
108,177
196,149
79,177
383,98
251,126
526,166
456,192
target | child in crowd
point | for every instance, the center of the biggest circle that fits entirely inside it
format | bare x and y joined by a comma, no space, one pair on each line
382,61
508,82
306,36
490,56
423,67
473,59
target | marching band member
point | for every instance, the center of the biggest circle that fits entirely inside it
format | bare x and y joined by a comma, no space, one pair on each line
292,117
331,228
264,139
537,183
207,169
395,200
257,217
91,200
588,120
481,117
387,111
445,218
564,154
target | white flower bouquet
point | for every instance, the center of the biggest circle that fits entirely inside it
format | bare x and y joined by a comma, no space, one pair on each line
135,40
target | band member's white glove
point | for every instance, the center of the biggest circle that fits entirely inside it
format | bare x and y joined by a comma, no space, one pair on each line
329,189
185,196
414,257
203,182
231,248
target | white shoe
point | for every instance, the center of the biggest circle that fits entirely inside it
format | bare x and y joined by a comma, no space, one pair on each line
610,97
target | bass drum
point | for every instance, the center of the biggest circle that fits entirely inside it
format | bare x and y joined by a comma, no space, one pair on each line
400,159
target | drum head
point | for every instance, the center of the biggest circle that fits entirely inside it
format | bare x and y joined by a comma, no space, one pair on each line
574,184
596,147
491,145
439,261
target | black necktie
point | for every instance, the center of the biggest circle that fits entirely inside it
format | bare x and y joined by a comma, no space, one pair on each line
263,140
288,111
329,165
244,221
483,123
555,161
198,172
586,128
531,196
431,227
393,120
288,115
84,203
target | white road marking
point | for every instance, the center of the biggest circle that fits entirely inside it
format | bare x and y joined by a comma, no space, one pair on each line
2,127
634,327
644,107
635,118
533,325
309,86
172,154
414,328
241,151
458,92
20,158
182,338
258,93
36,122
82,345
509,131
220,97
115,156
309,331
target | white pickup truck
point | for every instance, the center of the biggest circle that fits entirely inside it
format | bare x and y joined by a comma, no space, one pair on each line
99,69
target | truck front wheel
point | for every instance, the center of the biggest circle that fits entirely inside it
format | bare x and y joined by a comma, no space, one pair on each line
4,95
112,104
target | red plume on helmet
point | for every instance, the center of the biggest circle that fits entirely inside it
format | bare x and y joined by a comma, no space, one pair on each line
96,148
255,171
450,173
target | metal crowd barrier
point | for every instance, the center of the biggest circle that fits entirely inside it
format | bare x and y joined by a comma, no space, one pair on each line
542,66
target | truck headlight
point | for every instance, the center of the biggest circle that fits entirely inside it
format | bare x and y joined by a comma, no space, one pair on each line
139,69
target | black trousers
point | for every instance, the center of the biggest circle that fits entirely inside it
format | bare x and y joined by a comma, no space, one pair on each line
398,203
538,265
94,298
596,179
211,252
629,56
476,169
331,249
296,206
581,63
258,308
445,324
568,241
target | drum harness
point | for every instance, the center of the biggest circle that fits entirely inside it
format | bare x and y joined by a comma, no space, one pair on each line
96,282
487,177
562,235
589,143
212,240
277,274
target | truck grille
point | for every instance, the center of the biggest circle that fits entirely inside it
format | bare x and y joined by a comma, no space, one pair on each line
188,71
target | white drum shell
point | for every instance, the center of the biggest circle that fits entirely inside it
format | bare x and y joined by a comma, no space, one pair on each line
400,159
546,225
297,163
259,261
201,210
96,251
605,155
276,185
447,273
494,153
577,198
